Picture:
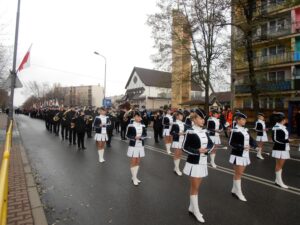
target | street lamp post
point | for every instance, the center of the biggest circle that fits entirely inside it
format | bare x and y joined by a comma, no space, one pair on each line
104,91
13,72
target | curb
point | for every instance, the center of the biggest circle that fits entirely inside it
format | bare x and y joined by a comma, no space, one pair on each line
38,213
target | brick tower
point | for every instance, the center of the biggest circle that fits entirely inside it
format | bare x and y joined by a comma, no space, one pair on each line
181,60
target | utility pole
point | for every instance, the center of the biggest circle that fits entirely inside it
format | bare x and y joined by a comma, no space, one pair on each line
13,72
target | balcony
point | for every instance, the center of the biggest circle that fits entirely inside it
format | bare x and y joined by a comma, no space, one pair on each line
270,60
286,85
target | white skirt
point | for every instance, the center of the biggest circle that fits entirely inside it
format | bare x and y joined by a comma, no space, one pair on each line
136,152
240,161
101,137
263,138
281,154
216,139
166,132
195,170
178,144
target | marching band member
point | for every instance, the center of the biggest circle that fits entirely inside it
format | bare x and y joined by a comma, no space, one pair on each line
100,124
240,141
196,144
71,116
281,147
177,131
260,128
80,127
167,122
136,133
214,127
187,118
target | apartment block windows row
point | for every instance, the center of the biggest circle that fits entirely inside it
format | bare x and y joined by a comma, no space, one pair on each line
271,103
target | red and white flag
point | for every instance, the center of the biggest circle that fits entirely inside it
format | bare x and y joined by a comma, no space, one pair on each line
26,60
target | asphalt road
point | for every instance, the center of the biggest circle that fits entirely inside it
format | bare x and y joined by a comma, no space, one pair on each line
78,190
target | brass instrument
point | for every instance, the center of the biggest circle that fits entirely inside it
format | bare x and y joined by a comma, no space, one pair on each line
65,114
88,119
56,117
127,115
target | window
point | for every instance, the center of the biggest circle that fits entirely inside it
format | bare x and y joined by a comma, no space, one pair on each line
263,103
247,103
272,50
272,26
264,52
271,103
264,30
277,76
280,49
280,76
279,103
280,24
272,76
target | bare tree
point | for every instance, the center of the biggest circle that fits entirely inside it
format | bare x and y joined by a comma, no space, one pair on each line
209,42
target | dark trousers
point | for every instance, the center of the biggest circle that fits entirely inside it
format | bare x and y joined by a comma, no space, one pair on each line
123,131
80,139
63,132
117,127
56,128
160,132
156,134
109,135
72,136
89,131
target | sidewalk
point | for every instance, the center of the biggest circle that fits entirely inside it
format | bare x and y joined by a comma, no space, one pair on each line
24,205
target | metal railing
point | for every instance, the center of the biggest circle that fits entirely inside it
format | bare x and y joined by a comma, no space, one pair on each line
4,176
269,86
269,60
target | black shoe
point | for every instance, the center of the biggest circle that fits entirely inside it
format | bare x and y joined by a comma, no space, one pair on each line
70,143
83,148
74,143
67,138
78,148
108,145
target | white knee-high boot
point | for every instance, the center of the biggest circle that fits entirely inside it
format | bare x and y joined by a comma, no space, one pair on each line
233,190
168,147
212,160
101,155
259,155
176,168
279,181
134,171
194,208
238,190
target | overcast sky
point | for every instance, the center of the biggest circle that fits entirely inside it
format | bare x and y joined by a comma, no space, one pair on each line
65,33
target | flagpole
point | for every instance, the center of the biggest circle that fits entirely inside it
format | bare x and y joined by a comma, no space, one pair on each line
13,72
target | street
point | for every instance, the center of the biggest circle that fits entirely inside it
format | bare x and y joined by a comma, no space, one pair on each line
78,190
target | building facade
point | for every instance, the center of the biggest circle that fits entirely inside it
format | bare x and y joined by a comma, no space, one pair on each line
152,88
83,95
276,56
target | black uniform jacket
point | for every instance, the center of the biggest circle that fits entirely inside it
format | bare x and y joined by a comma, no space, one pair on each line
175,130
259,128
166,122
280,137
80,124
211,127
236,141
192,144
97,124
131,134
